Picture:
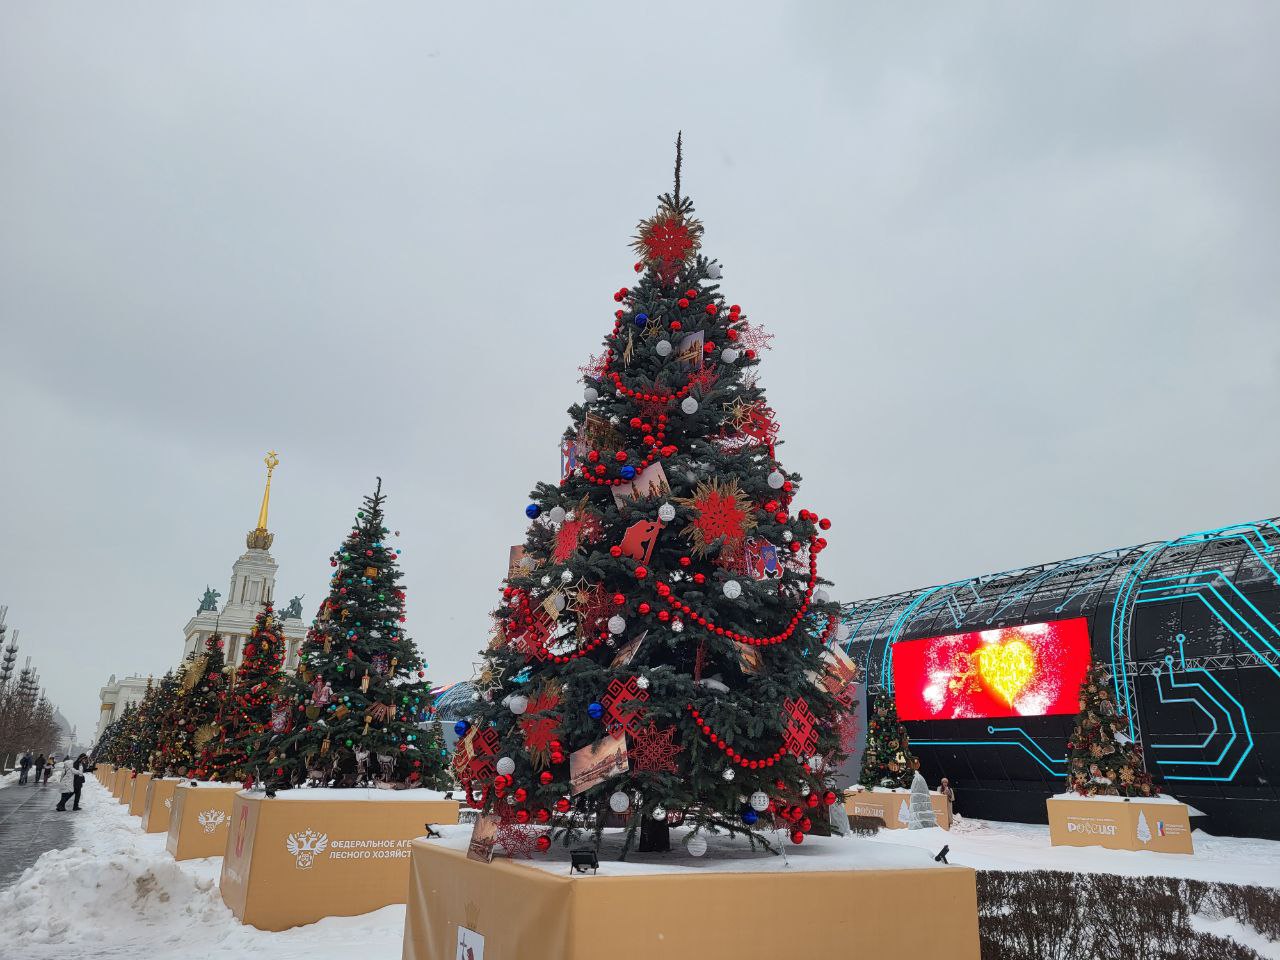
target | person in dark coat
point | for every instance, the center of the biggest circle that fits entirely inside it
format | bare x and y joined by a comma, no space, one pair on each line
40,761
25,766
77,773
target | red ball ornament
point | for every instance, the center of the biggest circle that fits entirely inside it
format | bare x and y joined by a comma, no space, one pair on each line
641,572
621,456
521,795
636,423
619,599
829,798
824,523
664,615
544,844
638,266
593,455
712,309
675,324
683,302
562,805
806,824
812,800
545,777
542,815
644,608
780,517
557,757
699,578
522,816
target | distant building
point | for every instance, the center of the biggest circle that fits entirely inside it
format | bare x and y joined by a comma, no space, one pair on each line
253,580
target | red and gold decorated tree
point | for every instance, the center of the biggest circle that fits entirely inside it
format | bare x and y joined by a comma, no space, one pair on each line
254,701
660,651
1102,759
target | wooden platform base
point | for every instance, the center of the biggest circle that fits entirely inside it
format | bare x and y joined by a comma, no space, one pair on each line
512,910
891,806
198,820
159,804
1160,825
295,859
138,794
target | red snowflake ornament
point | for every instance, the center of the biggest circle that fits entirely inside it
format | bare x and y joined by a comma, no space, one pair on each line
724,515
654,750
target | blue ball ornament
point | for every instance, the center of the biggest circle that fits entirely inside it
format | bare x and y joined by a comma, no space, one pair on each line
461,728
749,816
641,319
532,511
628,472
595,711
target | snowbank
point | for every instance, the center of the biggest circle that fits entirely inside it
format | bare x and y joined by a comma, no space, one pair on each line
989,845
117,893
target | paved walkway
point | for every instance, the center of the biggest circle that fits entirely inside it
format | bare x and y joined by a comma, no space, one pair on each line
29,826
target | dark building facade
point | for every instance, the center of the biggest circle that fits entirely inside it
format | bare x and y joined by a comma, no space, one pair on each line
1191,630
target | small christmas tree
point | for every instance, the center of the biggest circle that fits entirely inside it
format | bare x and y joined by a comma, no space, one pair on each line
361,687
1102,760
921,813
253,705
144,733
887,760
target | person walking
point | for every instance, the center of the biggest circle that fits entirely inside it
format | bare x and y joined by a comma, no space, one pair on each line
25,766
39,765
48,768
77,773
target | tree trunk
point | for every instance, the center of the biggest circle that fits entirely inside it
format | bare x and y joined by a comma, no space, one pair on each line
655,836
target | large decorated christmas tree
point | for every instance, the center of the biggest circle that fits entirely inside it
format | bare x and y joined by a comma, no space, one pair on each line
360,695
253,706
659,652
1102,759
194,719
887,760
173,751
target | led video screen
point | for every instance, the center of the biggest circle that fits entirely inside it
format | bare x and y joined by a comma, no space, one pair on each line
1033,670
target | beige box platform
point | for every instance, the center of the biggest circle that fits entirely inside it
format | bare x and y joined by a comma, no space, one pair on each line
292,860
104,772
155,812
198,820
138,795
517,911
1162,825
891,806
120,782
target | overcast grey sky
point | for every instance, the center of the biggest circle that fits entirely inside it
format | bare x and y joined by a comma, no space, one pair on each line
1020,261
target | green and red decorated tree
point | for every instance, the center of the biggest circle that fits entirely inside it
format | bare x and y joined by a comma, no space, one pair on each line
660,649
253,704
887,760
1102,759
360,697
198,721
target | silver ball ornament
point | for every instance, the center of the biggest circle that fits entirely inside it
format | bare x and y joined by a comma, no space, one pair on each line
729,773
732,589
666,513
619,802
696,845
729,355
776,480
617,624
759,801
662,348
689,405
591,394
517,703
505,766
556,515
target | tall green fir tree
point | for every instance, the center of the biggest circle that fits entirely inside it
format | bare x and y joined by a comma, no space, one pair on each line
887,760
254,701
361,694
1102,759
157,722
660,654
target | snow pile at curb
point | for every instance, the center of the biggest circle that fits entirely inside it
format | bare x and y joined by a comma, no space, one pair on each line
117,893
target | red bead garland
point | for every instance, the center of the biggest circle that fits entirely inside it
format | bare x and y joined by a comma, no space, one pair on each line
744,762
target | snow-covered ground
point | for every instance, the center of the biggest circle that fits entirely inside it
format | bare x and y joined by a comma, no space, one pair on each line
117,894
989,845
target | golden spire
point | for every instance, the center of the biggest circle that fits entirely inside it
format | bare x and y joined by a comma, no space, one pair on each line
259,538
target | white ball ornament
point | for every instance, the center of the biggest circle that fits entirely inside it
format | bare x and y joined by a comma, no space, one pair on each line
729,773
518,703
689,405
616,624
556,515
787,536
662,348
732,589
714,271
591,394
776,480
566,576
666,513
729,355
506,766
759,801
658,813
546,581
695,845
821,596
642,683
619,802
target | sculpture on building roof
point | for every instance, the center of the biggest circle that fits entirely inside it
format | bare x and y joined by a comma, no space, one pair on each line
294,610
209,601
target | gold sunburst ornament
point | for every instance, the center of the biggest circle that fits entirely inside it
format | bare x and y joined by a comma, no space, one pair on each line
724,516
672,235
